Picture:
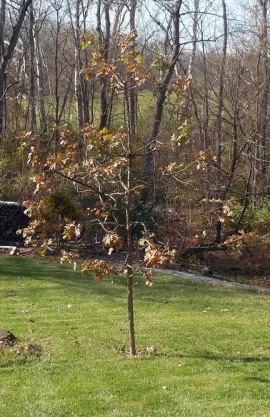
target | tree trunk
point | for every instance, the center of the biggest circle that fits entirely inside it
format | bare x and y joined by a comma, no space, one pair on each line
132,91
40,85
161,95
2,53
129,260
6,53
33,119
264,108
78,89
129,270
104,42
221,91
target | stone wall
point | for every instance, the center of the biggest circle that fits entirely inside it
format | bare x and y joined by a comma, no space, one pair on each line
12,218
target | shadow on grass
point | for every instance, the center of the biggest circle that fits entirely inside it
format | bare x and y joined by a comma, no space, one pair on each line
257,379
51,271
212,357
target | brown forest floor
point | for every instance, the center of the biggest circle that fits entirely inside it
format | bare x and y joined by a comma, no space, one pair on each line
251,265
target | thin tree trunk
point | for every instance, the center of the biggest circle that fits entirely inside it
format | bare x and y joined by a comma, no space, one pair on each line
56,86
84,82
105,43
206,101
6,53
2,53
129,260
132,91
129,268
219,118
264,110
161,94
221,90
33,119
78,89
40,85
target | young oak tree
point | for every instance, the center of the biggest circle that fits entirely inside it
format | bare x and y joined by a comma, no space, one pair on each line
104,170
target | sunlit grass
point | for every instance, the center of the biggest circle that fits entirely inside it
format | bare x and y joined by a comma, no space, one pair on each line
211,358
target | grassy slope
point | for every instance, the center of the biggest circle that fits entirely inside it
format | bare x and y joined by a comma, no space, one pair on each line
213,351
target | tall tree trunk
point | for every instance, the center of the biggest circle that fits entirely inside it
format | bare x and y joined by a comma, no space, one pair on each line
191,95
78,89
206,101
40,83
56,86
84,82
221,90
129,259
161,95
264,108
132,91
104,42
33,119
219,119
6,53
2,53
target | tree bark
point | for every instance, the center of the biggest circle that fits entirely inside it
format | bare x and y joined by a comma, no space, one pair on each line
221,90
40,84
33,119
161,94
129,260
264,108
132,91
6,53
78,87
104,41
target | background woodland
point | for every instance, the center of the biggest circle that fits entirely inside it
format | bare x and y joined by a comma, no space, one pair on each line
169,96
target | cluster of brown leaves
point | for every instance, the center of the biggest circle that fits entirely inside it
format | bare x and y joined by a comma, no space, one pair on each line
182,83
148,279
72,230
68,257
242,239
205,159
112,241
99,267
156,255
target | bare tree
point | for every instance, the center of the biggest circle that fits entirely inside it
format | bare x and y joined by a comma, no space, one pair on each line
163,87
264,4
78,23
32,96
221,86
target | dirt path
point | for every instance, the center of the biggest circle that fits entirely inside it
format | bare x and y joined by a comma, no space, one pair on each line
214,281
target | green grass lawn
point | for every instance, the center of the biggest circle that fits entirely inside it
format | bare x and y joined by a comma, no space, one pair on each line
212,347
